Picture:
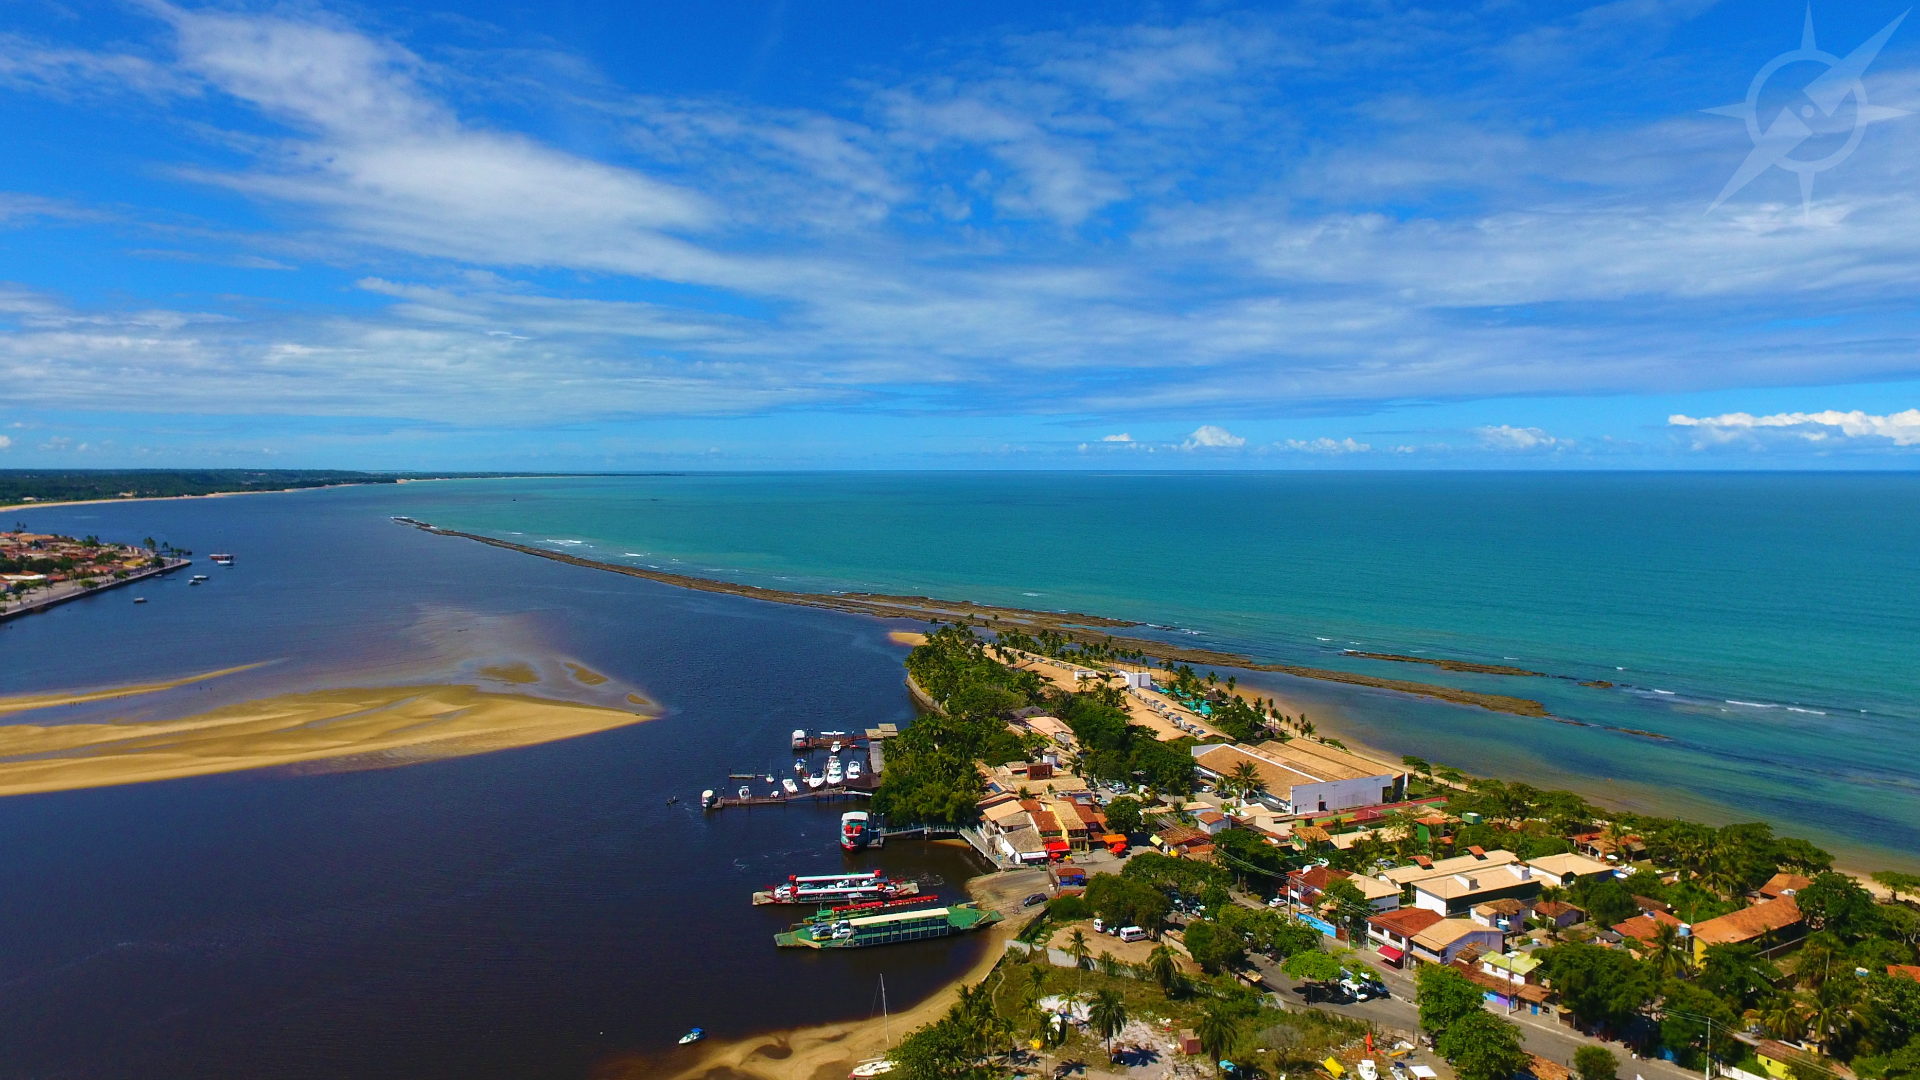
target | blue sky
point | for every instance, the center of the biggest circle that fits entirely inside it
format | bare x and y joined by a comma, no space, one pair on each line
588,235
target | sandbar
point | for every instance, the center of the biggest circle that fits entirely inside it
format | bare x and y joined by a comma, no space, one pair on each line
350,728
23,702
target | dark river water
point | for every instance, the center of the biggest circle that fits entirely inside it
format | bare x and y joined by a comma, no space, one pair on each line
529,913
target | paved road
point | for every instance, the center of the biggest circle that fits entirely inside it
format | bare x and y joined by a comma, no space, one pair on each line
1551,1040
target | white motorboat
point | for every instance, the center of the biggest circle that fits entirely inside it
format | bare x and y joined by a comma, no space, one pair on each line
693,1036
800,766
834,775
853,770
745,793
791,787
815,781
835,748
870,1068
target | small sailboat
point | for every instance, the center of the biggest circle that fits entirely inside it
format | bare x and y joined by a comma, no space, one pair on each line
879,1066
693,1036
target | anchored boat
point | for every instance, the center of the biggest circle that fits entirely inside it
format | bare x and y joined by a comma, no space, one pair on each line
856,830
887,928
837,889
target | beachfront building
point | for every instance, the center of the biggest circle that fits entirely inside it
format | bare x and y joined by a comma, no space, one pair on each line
1137,680
1305,777
1770,924
1564,871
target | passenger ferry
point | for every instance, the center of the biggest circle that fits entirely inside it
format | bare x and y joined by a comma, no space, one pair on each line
221,559
837,889
888,928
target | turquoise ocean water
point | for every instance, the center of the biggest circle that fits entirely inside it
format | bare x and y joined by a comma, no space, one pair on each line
1767,624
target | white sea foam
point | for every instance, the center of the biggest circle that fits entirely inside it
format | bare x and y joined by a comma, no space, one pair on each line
1809,712
1669,693
1752,704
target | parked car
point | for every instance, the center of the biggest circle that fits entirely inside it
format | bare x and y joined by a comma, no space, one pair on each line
1036,898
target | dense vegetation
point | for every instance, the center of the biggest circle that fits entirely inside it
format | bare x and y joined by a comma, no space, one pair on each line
71,485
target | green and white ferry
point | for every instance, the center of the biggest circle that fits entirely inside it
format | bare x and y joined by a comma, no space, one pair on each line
886,928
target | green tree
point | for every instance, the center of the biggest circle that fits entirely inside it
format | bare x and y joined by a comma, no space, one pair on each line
1077,948
1123,814
1347,907
1218,1030
1689,1014
1897,883
1482,1046
1164,969
1446,997
1737,974
1212,948
1838,904
1595,1063
1599,985
1108,1016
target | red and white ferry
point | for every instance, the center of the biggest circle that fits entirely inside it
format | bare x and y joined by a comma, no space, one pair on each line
828,889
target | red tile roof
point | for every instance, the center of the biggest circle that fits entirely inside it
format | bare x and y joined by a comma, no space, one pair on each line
1405,922
1641,927
1748,923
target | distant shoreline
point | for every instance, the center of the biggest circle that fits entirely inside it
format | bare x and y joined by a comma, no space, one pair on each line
1074,625
371,481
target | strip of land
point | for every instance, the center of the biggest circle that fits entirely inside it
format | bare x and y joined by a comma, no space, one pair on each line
25,488
1081,628
362,728
1450,665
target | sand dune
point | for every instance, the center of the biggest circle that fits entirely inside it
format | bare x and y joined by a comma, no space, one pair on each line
354,727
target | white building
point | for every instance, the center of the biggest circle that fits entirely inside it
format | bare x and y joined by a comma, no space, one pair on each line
1138,680
1305,777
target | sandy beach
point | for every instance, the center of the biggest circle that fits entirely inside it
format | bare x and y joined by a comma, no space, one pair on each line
346,728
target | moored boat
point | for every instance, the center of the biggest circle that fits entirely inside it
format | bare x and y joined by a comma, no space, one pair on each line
832,889
888,928
790,787
856,829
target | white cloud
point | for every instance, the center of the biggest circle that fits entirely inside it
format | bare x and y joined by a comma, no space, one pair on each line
1212,436
1325,445
1506,437
1901,428
5,442
1122,437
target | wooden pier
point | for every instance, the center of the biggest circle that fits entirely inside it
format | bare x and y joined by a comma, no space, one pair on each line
825,794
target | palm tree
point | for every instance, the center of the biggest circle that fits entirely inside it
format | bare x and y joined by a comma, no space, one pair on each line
1667,959
1833,1011
1035,984
1164,968
1109,1016
1246,778
1217,1031
1781,1017
1077,948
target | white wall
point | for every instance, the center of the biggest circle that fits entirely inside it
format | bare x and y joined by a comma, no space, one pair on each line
1339,794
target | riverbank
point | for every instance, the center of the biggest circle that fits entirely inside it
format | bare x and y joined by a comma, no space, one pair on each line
831,1050
346,728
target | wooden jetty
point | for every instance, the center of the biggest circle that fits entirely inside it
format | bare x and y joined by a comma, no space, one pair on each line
825,794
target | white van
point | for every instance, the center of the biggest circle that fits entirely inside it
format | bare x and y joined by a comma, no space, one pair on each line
1132,933
1099,925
